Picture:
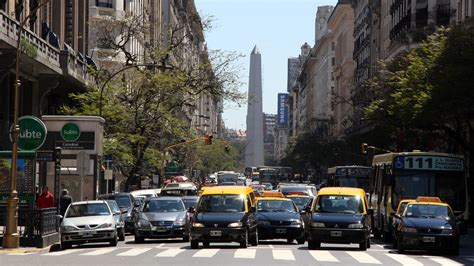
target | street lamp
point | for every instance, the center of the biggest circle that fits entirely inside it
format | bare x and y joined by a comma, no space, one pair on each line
11,239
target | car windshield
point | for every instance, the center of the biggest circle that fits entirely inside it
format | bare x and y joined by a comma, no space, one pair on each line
163,205
189,203
179,192
276,206
123,201
300,201
288,190
427,211
339,204
222,203
87,209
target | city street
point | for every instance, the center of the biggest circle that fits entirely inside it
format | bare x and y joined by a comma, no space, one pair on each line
170,252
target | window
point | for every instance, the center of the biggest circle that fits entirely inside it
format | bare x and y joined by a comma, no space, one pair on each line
104,3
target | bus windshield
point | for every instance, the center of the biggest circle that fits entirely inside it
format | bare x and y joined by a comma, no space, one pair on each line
449,186
356,182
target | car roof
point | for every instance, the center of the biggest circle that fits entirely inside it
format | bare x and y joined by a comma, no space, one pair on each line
88,202
226,190
299,196
190,197
342,191
164,198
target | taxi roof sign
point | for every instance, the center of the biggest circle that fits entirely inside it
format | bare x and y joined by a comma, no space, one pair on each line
297,193
274,194
428,199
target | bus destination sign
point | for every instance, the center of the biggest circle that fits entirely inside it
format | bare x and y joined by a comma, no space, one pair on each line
353,171
435,163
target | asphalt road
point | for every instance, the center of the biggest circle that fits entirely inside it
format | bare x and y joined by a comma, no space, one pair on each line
170,252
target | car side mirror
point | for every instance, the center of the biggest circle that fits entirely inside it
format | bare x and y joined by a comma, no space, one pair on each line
117,212
370,211
252,209
191,210
302,212
398,216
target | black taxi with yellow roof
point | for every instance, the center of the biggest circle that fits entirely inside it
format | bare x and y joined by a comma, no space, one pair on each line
427,224
279,218
339,215
224,214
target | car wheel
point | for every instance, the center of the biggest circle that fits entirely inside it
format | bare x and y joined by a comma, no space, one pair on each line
314,244
376,233
363,245
194,244
245,242
394,242
400,248
387,237
455,250
139,239
206,244
113,242
254,241
65,245
122,235
301,241
290,240
186,238
368,242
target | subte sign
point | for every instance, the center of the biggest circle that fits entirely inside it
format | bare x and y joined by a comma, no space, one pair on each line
32,133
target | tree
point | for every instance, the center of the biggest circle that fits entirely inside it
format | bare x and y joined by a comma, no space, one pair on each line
147,99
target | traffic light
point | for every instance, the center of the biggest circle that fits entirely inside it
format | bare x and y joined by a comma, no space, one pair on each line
208,139
364,147
227,149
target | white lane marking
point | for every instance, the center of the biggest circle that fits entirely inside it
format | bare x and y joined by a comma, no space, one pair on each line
443,261
134,252
270,246
245,253
206,253
21,254
281,254
363,257
380,246
323,255
403,259
99,252
172,252
160,245
63,252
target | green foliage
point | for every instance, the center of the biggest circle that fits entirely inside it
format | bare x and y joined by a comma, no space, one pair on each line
28,48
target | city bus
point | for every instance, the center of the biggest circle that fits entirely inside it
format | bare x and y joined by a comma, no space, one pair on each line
407,175
349,176
269,175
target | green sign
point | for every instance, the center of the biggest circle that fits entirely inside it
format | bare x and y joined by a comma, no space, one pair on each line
70,132
32,133
172,167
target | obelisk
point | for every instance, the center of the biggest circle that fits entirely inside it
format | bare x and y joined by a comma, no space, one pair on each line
254,145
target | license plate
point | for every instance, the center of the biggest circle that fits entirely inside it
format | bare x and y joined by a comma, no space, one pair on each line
429,239
87,234
336,233
281,231
216,233
159,229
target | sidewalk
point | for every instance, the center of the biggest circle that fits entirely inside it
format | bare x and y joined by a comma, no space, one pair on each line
24,250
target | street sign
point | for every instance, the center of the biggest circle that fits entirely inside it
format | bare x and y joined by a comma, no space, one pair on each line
83,163
108,174
70,132
172,167
32,133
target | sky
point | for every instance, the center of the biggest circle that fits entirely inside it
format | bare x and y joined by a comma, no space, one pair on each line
277,27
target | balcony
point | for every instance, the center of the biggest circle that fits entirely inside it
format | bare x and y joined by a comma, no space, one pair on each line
73,66
43,56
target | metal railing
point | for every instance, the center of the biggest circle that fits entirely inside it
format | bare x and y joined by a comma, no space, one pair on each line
32,223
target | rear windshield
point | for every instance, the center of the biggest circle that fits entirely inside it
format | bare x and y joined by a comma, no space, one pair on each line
190,203
339,204
287,190
222,203
163,206
87,209
123,201
301,201
179,192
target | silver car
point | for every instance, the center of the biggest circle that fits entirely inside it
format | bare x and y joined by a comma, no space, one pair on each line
119,221
88,221
163,217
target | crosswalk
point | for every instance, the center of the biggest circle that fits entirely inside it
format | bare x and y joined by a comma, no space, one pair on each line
376,257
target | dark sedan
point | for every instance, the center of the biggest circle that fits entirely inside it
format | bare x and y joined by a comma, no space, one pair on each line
279,218
163,217
427,226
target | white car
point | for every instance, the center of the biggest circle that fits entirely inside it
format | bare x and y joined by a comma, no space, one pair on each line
86,222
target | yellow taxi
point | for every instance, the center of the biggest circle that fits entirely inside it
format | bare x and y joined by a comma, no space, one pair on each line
339,215
279,218
224,214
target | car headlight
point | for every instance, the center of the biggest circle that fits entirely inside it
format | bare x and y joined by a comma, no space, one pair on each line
106,225
409,230
315,224
143,223
198,225
296,222
179,222
356,226
66,228
237,224
447,231
263,223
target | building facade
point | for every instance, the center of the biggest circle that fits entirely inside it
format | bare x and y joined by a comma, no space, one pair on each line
341,24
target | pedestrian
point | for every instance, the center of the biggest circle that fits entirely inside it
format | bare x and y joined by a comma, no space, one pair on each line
45,200
64,201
